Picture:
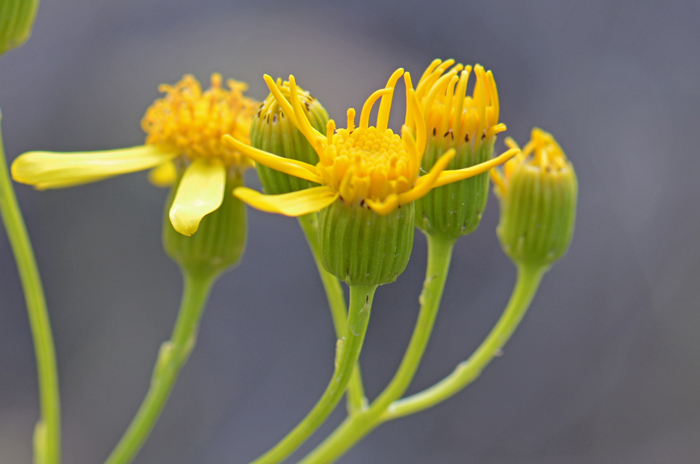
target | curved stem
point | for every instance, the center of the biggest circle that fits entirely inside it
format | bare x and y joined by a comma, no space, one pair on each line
347,353
171,358
354,428
336,302
529,278
47,435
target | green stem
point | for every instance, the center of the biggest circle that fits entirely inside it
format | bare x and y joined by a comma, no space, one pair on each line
172,356
354,428
336,301
47,435
529,278
347,353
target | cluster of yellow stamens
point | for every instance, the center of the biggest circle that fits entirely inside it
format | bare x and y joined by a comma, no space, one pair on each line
542,153
192,122
270,107
454,114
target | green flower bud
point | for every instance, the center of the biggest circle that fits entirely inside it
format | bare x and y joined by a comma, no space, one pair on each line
468,124
273,132
537,192
220,238
16,21
362,247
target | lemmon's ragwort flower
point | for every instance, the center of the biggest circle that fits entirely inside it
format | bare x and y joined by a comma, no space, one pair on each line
361,165
184,142
467,123
537,191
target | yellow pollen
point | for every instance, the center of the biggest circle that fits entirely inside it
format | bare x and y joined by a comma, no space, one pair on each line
367,163
193,122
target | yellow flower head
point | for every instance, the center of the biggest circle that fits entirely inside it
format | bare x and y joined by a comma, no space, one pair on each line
454,114
192,122
185,127
542,154
361,165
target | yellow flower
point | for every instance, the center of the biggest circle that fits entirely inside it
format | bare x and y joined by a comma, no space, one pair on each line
361,165
184,136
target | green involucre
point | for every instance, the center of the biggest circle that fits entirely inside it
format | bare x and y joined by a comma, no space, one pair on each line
220,240
16,21
362,247
455,209
538,212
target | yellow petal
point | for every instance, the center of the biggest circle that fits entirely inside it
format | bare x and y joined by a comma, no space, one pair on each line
384,207
424,184
163,175
200,192
288,166
447,177
55,170
290,204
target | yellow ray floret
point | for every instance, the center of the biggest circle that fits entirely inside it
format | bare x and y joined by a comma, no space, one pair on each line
361,165
542,152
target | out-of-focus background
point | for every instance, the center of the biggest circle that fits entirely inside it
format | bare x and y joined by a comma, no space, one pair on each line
605,367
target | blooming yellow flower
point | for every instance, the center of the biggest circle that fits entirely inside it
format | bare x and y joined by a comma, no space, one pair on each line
184,136
361,165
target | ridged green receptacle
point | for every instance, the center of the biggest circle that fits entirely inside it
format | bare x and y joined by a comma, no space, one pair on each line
273,132
455,209
538,214
362,247
220,239
16,21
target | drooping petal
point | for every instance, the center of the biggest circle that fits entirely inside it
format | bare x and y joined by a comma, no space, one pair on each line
447,177
200,192
47,170
285,165
163,175
290,204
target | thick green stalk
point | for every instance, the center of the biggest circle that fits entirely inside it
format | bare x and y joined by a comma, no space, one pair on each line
336,301
529,278
347,352
354,428
171,358
47,435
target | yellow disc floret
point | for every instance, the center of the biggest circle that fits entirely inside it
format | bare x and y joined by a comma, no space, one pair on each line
192,122
368,164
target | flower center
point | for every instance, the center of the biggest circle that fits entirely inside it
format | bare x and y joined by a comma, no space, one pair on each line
192,122
367,163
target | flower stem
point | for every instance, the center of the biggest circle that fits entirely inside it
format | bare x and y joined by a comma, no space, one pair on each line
347,353
47,435
529,278
172,356
336,301
354,428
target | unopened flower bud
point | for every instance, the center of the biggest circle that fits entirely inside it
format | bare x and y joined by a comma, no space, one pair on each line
273,132
16,21
537,192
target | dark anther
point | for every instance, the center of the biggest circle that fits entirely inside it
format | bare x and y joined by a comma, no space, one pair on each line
434,131
274,119
466,137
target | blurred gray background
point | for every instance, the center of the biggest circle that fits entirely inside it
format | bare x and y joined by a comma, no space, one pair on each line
605,367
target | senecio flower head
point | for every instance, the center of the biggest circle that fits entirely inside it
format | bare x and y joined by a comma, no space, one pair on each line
363,166
183,143
537,190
